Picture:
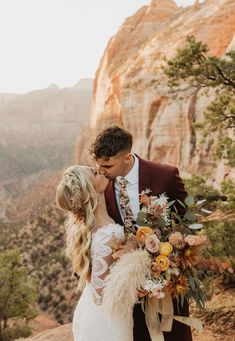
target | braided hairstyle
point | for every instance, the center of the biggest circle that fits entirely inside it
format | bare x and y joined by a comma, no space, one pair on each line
76,194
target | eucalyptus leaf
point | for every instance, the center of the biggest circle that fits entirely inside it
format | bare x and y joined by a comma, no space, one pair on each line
206,211
195,226
142,215
189,200
181,203
160,222
176,216
141,218
140,222
185,230
171,203
192,283
199,202
190,216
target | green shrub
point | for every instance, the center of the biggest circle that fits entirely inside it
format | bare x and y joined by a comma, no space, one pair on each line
17,332
197,186
17,291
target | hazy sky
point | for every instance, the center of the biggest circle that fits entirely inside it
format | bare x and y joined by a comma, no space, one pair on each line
57,41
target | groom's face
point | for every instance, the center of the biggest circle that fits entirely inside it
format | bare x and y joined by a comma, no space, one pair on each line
117,165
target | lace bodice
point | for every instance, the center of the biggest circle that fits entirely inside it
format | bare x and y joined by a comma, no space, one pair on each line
101,256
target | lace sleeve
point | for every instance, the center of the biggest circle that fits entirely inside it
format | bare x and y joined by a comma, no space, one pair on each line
101,255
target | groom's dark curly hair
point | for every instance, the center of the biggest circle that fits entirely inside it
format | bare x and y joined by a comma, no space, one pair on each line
111,141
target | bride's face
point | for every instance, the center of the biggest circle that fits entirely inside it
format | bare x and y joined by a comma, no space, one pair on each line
99,181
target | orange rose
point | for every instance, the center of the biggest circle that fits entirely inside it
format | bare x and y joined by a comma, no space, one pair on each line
143,232
165,249
144,199
155,270
162,262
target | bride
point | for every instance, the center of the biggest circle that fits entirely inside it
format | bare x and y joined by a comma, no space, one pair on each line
90,235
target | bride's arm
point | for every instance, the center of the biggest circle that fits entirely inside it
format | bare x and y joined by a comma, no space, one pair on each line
102,260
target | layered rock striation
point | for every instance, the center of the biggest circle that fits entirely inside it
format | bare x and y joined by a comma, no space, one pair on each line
131,88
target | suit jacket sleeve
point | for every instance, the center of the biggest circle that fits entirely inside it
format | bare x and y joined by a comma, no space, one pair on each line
177,190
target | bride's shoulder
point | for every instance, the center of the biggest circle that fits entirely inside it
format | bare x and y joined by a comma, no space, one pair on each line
111,229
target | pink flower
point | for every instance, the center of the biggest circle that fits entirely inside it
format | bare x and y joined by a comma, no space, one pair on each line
195,240
157,293
152,243
176,239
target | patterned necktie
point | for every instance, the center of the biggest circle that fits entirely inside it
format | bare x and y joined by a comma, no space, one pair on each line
128,217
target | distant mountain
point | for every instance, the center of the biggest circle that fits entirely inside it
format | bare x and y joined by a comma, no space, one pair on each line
83,84
38,129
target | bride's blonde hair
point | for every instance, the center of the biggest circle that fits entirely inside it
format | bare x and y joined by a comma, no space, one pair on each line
76,194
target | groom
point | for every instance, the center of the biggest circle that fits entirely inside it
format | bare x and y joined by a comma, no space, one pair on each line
129,175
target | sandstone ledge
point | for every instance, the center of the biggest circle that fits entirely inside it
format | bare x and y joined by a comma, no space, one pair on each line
62,333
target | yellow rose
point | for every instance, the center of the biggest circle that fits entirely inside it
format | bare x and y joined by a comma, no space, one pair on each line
165,249
162,262
143,232
145,199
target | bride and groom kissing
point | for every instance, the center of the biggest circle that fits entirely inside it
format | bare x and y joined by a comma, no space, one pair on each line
102,203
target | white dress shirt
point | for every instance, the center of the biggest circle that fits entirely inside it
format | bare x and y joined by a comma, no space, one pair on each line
132,188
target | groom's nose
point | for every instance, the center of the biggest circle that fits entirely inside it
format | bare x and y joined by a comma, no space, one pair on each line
100,169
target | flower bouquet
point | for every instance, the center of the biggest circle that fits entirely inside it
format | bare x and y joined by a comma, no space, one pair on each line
165,259
177,250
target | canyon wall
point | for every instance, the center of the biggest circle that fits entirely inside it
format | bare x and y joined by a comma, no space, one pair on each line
131,89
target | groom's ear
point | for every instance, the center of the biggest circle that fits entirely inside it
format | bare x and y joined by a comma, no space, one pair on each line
128,157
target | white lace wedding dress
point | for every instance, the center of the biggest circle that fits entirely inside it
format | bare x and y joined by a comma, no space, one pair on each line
91,322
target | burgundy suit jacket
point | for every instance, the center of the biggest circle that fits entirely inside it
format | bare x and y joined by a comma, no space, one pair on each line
158,177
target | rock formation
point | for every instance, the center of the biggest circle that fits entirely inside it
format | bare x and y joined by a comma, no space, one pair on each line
62,333
131,89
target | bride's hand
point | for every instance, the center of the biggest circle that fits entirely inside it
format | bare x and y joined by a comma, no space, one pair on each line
124,247
131,244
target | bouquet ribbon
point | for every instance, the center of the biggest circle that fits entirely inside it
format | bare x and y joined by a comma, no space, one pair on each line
164,306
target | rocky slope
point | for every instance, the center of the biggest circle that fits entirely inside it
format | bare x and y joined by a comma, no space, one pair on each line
131,89
36,226
218,322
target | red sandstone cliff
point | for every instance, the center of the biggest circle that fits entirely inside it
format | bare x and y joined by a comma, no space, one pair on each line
131,89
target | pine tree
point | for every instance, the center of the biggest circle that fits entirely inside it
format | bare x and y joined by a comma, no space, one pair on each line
17,290
191,63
